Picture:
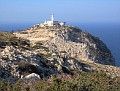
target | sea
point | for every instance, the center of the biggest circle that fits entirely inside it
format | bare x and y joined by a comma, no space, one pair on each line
109,33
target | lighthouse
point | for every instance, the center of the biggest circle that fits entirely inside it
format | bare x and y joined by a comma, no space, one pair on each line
52,22
52,18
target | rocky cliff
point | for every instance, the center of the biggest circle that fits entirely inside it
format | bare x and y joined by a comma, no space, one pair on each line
48,51
73,42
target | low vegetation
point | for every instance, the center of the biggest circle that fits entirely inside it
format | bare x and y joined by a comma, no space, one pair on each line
8,38
40,46
84,81
27,68
65,80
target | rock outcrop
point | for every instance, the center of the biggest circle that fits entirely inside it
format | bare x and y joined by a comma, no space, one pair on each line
32,76
79,44
53,50
73,42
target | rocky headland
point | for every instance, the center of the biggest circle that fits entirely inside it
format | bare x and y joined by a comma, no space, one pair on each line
44,51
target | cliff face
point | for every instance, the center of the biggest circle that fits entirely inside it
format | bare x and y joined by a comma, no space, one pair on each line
80,44
73,42
52,50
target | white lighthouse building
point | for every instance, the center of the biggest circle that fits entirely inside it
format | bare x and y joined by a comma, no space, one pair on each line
52,17
52,22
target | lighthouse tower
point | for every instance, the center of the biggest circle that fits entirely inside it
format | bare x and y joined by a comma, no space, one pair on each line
52,18
52,22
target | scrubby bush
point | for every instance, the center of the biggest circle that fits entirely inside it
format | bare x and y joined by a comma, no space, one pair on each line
84,81
8,38
40,46
44,55
26,67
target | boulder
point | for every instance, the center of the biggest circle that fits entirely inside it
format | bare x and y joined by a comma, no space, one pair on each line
32,76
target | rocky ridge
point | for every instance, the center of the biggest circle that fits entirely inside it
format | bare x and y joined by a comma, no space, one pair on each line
73,41
55,50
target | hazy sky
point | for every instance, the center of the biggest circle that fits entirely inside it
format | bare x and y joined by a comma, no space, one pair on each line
27,11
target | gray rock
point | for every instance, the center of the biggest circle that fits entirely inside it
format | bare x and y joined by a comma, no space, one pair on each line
64,51
32,76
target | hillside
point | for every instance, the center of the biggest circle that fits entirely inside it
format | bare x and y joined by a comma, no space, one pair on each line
66,52
72,41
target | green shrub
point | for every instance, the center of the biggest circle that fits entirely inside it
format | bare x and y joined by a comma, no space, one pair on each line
81,81
26,67
39,46
8,38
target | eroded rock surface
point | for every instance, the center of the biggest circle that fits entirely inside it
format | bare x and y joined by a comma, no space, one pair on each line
50,51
